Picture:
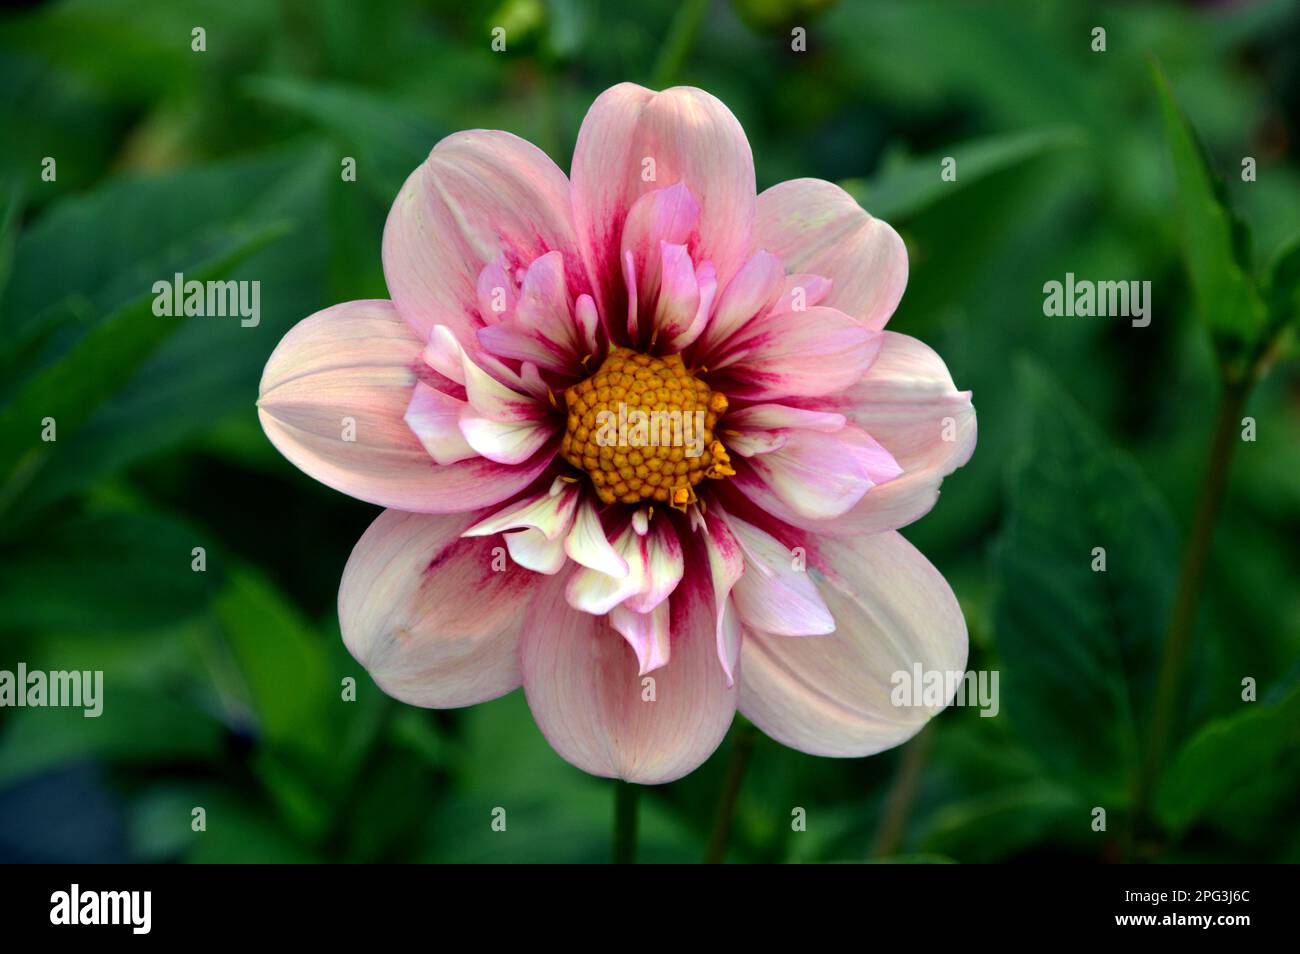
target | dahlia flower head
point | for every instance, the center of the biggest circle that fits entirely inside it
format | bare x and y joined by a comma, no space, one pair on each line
537,533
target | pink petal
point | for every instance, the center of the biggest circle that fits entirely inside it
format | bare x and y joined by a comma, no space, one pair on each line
646,633
497,294
801,292
816,227
777,416
664,566
821,351
775,594
430,615
592,591
495,401
679,294
491,387
815,476
588,322
753,290
833,695
482,196
908,402
706,280
753,443
726,563
583,685
435,419
506,442
542,329
500,423
730,640
357,361
631,293
692,138
660,216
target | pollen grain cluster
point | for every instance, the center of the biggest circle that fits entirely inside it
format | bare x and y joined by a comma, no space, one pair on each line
642,428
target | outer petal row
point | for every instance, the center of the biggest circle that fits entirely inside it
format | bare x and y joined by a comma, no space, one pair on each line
482,196
439,620
634,141
831,695
333,397
907,402
582,682
817,227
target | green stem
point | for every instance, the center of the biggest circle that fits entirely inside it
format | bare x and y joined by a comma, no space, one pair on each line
680,39
898,808
1182,617
625,818
741,750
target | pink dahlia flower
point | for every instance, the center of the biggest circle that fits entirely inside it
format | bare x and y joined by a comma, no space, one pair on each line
640,584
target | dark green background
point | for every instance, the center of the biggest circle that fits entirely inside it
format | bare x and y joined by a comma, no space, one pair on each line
222,689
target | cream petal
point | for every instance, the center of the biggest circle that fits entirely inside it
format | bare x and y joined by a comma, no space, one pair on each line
834,695
531,549
595,592
550,512
506,442
587,544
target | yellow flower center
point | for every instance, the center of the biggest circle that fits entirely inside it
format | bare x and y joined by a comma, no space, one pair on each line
642,428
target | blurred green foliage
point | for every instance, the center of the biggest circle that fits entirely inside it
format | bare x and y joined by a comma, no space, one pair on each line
223,688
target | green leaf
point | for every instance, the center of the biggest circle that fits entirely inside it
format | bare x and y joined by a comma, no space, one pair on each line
97,367
238,829
1215,243
136,727
284,663
991,826
388,140
92,247
1079,646
104,573
1282,284
207,369
10,209
1243,753
901,193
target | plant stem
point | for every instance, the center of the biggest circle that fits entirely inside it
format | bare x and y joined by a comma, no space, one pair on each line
625,818
741,750
1182,617
903,793
678,43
